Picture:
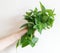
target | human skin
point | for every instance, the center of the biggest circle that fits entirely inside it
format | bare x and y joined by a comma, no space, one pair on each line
9,40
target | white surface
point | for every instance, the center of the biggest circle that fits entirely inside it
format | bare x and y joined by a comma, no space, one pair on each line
11,13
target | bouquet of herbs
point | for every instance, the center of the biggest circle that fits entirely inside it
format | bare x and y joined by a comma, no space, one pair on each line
36,20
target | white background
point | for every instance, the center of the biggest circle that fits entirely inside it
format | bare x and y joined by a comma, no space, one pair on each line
11,14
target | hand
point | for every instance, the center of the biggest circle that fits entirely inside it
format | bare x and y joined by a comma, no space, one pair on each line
7,41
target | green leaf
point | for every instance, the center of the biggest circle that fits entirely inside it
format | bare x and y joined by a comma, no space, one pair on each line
25,25
44,18
40,27
42,7
24,40
50,22
50,12
28,13
31,31
25,43
35,11
18,43
33,41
